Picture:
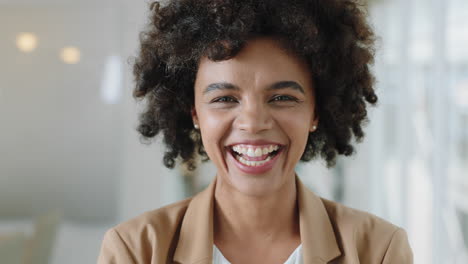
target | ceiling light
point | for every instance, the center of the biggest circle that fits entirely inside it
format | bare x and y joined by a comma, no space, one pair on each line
26,42
70,55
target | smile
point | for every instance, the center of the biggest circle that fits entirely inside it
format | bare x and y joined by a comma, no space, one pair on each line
253,158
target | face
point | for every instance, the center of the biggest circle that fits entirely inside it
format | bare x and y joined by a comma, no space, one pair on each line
255,112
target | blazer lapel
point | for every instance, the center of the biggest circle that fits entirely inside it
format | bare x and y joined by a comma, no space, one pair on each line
195,244
318,238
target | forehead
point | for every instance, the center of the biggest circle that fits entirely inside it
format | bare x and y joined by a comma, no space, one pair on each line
261,61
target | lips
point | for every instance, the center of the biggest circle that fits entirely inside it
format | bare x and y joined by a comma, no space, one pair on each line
256,143
254,158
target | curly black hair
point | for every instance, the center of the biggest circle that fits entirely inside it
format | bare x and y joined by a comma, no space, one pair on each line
331,36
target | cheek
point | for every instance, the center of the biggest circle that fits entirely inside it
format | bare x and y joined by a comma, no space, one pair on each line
296,126
215,127
295,122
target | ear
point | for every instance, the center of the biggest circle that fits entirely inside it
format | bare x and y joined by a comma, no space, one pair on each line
314,123
194,115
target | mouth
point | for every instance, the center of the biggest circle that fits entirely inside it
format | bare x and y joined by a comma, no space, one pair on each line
255,158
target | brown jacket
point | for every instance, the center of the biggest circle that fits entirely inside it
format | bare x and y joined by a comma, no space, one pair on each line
183,233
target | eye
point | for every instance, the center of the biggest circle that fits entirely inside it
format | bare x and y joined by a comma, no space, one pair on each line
224,99
280,98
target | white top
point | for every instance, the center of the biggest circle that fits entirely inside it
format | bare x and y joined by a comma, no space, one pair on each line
294,258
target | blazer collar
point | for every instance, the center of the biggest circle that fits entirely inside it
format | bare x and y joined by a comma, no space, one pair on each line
318,238
195,245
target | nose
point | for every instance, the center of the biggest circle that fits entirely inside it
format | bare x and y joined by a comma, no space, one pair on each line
253,117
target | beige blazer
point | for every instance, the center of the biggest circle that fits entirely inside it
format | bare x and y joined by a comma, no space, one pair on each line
183,233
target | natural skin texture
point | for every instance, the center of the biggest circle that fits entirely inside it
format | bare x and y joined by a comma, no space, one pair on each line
255,112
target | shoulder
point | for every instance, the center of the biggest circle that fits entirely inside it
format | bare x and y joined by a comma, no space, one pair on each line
141,238
347,218
369,238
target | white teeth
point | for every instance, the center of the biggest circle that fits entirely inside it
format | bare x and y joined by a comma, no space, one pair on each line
252,163
258,152
253,151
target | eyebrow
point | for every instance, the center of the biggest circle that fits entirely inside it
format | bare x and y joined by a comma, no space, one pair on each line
287,84
276,86
220,86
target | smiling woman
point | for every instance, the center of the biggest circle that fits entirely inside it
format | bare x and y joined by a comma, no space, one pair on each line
255,87
262,98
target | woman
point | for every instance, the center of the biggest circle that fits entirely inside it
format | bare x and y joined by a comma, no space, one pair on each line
255,86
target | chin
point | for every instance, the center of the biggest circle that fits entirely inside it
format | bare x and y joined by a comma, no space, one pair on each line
256,185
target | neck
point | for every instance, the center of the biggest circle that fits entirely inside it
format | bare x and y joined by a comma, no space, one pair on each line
250,219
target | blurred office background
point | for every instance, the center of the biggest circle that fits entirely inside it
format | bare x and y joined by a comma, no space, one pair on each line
72,166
